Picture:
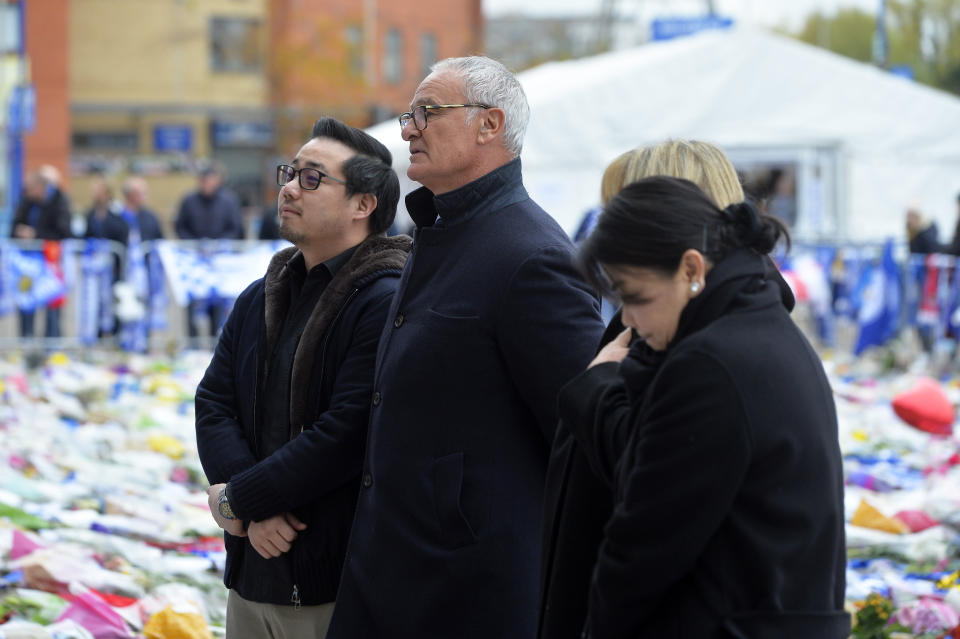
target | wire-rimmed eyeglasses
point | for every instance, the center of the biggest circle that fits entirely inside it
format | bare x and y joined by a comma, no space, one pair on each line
419,113
310,178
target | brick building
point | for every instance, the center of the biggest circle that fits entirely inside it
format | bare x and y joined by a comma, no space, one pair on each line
158,83
359,61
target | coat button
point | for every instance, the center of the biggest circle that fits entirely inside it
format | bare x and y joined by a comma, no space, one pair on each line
367,480
376,398
398,322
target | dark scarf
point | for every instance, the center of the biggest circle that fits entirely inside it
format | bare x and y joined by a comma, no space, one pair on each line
375,256
743,273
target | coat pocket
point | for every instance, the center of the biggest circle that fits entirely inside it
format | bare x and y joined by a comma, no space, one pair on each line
787,624
455,530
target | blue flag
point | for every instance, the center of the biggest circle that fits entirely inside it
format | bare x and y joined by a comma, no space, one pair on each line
879,302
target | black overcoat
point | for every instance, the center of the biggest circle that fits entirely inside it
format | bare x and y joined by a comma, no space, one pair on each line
728,517
316,474
490,320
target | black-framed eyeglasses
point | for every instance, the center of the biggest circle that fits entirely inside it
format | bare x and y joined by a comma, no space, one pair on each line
310,178
419,113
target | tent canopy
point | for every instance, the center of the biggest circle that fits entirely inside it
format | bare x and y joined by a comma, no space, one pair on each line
867,143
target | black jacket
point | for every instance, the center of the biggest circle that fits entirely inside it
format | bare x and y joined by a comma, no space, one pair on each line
110,227
926,241
728,518
53,221
114,227
149,226
577,504
489,321
315,475
216,217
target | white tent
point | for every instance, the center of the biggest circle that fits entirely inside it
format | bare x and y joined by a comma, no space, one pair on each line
865,143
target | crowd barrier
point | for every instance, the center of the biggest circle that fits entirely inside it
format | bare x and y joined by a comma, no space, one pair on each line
878,289
132,297
136,296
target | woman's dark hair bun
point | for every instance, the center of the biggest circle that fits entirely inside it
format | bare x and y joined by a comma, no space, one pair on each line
747,227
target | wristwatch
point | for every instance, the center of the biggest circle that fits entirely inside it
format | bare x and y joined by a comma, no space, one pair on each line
223,506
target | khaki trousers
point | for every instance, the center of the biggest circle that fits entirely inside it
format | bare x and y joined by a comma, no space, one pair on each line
252,620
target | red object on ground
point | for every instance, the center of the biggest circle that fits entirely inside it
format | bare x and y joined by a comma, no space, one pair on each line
916,520
925,406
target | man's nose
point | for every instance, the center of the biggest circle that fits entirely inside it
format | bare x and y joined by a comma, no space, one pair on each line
291,188
409,131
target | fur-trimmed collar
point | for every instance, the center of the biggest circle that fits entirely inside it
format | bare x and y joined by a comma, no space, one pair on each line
375,257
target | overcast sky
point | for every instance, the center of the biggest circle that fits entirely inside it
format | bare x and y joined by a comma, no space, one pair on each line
763,12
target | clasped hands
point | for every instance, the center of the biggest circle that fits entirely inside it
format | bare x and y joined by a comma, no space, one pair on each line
270,537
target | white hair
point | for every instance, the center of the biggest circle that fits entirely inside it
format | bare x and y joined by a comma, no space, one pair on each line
487,81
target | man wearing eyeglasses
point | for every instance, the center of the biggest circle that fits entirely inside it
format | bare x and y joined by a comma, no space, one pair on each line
281,413
490,320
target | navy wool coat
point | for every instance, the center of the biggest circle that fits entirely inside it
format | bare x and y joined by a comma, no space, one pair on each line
489,322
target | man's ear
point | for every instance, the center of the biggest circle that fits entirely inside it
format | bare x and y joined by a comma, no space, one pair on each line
366,204
491,125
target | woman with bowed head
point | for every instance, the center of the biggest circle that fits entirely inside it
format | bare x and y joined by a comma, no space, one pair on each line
725,469
578,501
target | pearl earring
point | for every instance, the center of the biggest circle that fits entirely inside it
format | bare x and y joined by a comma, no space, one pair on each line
695,287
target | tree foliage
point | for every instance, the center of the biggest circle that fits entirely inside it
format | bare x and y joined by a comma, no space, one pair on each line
923,35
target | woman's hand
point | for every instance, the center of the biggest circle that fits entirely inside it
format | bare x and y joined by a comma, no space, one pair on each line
615,350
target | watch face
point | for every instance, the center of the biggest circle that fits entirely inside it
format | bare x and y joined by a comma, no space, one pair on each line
223,506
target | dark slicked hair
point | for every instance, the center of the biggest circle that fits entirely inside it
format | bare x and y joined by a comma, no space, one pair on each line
369,171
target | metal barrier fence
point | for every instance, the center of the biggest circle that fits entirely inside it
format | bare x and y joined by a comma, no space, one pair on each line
861,295
169,287
147,289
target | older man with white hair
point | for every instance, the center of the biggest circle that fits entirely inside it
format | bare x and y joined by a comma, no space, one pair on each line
489,322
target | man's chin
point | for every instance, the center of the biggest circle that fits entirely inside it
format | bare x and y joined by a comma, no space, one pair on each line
288,234
416,172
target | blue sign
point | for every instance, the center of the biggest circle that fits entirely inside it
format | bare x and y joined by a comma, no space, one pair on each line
241,134
22,110
669,28
173,137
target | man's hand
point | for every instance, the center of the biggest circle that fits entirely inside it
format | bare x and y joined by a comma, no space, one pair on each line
615,350
273,537
24,232
232,526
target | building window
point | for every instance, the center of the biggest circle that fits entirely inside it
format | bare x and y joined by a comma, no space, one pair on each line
10,40
428,53
393,57
355,49
235,44
105,141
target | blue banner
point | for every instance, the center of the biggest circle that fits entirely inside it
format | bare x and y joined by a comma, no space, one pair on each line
880,296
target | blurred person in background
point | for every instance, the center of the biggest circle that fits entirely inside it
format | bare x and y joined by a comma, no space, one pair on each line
103,218
728,517
143,280
490,320
954,248
43,214
922,235
578,501
211,212
44,210
783,200
282,410
269,222
103,221
140,220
